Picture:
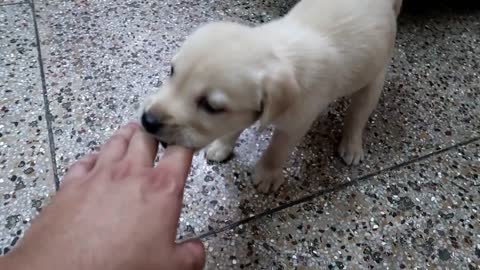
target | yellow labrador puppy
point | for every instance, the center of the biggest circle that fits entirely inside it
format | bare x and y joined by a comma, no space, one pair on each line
226,76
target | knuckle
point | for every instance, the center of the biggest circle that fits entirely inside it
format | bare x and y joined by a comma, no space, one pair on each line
121,169
172,185
76,169
168,183
118,140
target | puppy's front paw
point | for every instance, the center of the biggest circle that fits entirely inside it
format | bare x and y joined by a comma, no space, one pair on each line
218,151
267,180
351,151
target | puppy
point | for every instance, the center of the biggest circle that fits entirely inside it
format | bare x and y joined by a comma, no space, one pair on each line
227,76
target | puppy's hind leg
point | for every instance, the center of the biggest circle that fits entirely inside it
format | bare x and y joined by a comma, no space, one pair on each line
363,103
222,148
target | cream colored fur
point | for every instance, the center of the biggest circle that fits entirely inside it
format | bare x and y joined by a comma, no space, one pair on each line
283,73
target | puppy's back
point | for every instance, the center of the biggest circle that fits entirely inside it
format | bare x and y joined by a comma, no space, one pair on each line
361,33
334,15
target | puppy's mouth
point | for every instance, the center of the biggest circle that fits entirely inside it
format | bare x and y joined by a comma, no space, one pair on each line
163,144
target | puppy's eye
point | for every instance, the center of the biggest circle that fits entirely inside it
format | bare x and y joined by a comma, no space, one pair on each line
205,105
172,70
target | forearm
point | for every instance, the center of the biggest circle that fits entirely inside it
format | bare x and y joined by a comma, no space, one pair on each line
18,260
6,262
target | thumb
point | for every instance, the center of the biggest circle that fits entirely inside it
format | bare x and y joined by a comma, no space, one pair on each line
191,255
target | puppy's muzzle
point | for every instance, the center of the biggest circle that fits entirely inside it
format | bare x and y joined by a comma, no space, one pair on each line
152,125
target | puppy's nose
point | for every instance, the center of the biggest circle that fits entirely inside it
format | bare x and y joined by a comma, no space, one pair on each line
151,123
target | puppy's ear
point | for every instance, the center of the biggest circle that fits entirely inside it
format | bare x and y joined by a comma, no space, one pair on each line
280,90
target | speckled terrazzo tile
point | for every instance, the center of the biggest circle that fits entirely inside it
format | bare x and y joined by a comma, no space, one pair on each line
25,169
103,57
12,2
424,216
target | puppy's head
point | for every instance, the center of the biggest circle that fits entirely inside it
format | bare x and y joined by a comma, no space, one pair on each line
223,79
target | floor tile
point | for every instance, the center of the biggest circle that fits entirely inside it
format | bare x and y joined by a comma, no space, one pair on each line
12,2
25,165
102,58
424,216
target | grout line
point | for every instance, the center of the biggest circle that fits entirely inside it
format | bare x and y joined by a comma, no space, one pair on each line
334,189
48,116
13,4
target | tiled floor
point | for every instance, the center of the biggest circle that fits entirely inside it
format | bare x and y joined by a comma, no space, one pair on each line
413,203
26,177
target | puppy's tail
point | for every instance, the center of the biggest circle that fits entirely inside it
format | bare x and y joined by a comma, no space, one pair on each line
397,6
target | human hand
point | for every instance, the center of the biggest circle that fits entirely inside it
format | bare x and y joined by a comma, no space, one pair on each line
114,211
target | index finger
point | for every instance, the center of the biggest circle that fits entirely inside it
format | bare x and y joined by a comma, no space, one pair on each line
142,149
168,184
176,161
